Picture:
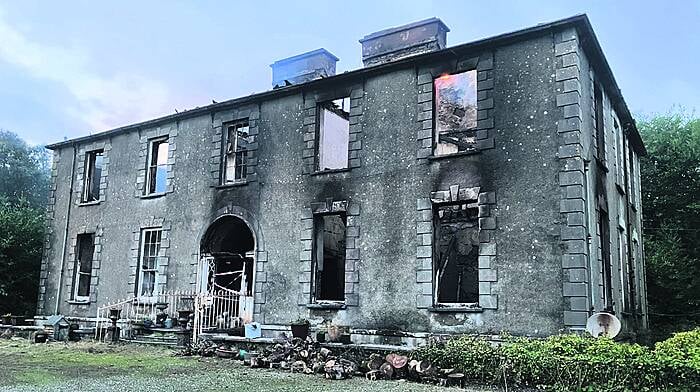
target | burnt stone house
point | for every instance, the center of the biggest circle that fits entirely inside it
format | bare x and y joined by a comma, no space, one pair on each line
484,187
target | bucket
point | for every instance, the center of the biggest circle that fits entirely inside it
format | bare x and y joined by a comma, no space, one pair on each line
252,331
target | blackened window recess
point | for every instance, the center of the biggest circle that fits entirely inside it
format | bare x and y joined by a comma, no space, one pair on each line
599,123
93,176
455,113
333,134
329,257
83,266
157,166
236,154
456,253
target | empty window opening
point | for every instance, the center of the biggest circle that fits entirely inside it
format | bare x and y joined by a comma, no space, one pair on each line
604,230
456,254
229,246
455,113
93,176
236,156
599,123
148,262
333,134
329,260
157,166
83,267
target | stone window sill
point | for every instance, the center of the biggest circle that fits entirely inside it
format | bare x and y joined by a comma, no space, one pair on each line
454,155
89,203
232,184
456,309
77,302
331,171
327,306
153,195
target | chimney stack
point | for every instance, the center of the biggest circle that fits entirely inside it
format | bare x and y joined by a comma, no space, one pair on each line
408,40
304,67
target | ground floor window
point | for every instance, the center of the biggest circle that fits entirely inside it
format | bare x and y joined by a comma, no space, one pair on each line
83,267
456,254
148,262
329,257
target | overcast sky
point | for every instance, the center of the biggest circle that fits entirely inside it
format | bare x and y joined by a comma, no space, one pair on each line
68,69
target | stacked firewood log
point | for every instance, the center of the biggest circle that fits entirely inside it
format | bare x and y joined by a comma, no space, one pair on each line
309,357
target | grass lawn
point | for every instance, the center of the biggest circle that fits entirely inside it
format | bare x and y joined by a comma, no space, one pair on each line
102,367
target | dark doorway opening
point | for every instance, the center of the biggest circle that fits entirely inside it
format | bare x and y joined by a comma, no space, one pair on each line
230,242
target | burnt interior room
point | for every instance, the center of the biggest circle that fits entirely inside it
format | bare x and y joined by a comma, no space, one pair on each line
457,237
230,242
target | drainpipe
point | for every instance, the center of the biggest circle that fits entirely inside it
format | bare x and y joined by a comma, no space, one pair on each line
65,231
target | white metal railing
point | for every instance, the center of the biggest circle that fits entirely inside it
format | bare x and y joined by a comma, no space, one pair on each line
220,310
142,309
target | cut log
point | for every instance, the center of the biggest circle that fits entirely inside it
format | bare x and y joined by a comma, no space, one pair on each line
373,375
387,370
424,367
375,362
396,360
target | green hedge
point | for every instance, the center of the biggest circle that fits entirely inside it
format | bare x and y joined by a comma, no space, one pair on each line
573,362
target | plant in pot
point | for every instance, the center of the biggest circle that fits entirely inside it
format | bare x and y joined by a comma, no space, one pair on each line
300,328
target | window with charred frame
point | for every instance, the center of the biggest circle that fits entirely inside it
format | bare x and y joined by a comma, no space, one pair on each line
92,176
333,134
599,123
157,166
148,262
236,154
456,254
83,267
455,111
329,257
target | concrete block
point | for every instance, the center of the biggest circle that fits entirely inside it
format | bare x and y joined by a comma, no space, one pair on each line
423,276
572,318
575,289
573,233
487,249
424,301
571,205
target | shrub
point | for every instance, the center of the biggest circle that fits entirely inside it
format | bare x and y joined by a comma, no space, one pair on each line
573,362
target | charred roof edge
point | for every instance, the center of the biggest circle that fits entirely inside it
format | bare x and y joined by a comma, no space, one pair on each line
589,42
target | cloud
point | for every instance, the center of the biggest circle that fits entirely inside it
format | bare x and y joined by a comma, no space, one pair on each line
102,101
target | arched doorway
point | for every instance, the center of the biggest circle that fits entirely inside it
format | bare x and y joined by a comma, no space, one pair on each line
228,257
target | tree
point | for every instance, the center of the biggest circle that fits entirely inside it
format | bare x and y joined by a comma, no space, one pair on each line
670,195
24,179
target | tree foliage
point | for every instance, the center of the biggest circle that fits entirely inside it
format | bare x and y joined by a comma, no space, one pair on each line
24,170
670,189
24,178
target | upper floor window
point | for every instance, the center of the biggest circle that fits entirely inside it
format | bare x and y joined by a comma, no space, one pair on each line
333,134
329,257
599,123
236,154
93,176
83,267
157,166
148,262
455,113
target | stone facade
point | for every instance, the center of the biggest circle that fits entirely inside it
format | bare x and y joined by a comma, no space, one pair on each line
531,178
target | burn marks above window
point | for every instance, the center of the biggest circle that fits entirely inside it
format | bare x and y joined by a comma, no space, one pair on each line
455,113
455,107
237,140
333,134
456,254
